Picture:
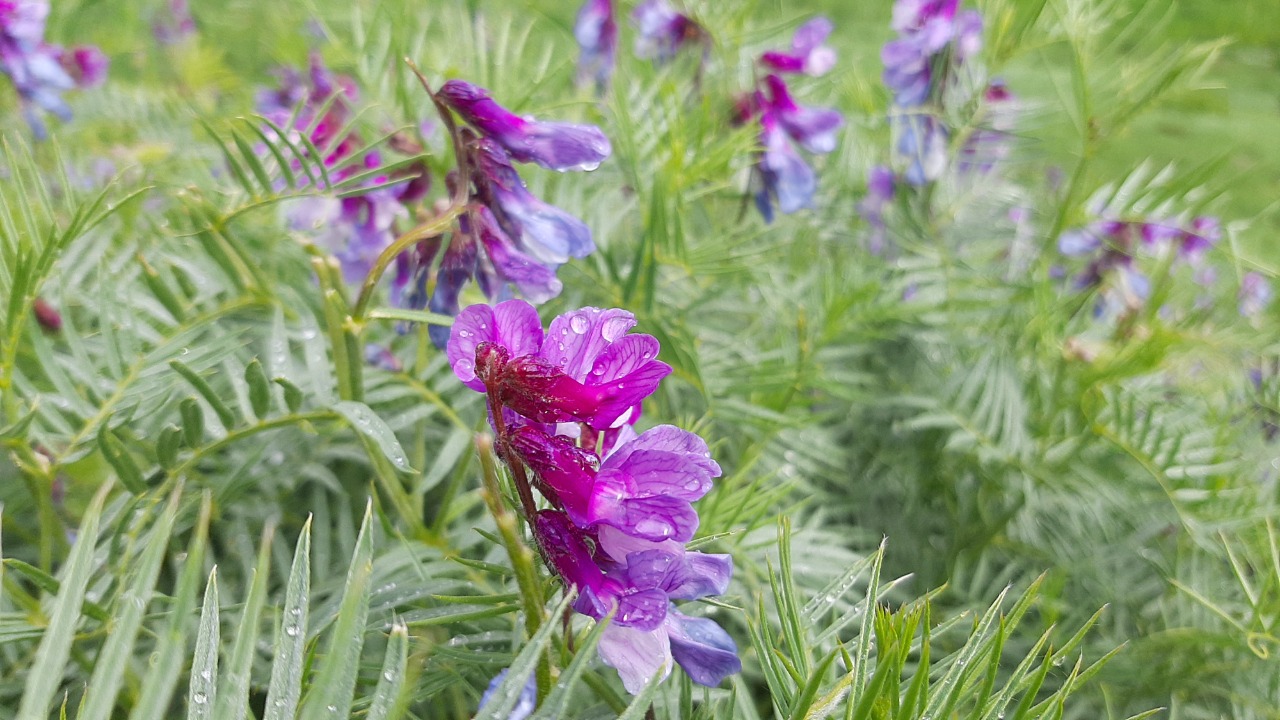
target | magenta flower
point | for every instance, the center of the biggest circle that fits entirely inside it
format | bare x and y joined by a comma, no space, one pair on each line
553,145
585,369
808,53
814,128
597,34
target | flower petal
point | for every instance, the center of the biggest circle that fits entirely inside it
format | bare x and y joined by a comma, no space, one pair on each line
702,648
637,655
513,324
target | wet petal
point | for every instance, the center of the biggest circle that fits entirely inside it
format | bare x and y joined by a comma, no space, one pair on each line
637,655
702,648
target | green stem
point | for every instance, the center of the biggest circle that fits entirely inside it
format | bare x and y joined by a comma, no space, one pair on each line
522,560
435,226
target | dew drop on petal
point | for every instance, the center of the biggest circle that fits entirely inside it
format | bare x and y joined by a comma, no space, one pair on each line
578,323
613,328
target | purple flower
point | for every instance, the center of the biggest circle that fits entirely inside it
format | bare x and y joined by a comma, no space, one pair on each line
922,142
989,145
553,145
175,24
39,71
544,232
808,53
814,128
785,178
597,36
644,489
1255,294
881,187
663,32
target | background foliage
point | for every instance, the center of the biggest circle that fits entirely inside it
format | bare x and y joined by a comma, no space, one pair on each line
948,492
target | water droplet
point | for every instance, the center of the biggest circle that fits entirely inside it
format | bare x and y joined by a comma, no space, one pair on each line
291,630
331,708
205,675
579,324
464,333
390,676
199,698
614,328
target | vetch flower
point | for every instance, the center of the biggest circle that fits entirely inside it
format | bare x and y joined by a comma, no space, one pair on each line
597,34
781,177
663,32
620,504
785,178
41,72
881,188
553,145
174,24
1255,294
808,54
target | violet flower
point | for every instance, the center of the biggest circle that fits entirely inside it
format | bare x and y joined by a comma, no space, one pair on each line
781,176
808,53
881,188
1255,294
663,32
175,24
553,145
989,145
41,72
785,178
523,240
597,34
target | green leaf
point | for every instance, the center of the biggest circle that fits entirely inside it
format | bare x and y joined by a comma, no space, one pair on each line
204,665
233,696
557,703
289,658
113,660
367,423
386,696
259,388
334,684
171,650
118,456
51,657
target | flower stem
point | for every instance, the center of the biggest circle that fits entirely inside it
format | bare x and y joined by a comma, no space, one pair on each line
522,560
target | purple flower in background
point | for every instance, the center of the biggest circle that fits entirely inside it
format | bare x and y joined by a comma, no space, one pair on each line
989,144
785,178
781,177
663,32
174,24
41,72
922,142
808,54
1255,294
814,128
881,187
597,34
553,145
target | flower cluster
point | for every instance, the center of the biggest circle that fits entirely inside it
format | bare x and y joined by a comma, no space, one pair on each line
1111,245
781,175
508,237
357,227
618,508
934,40
41,72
